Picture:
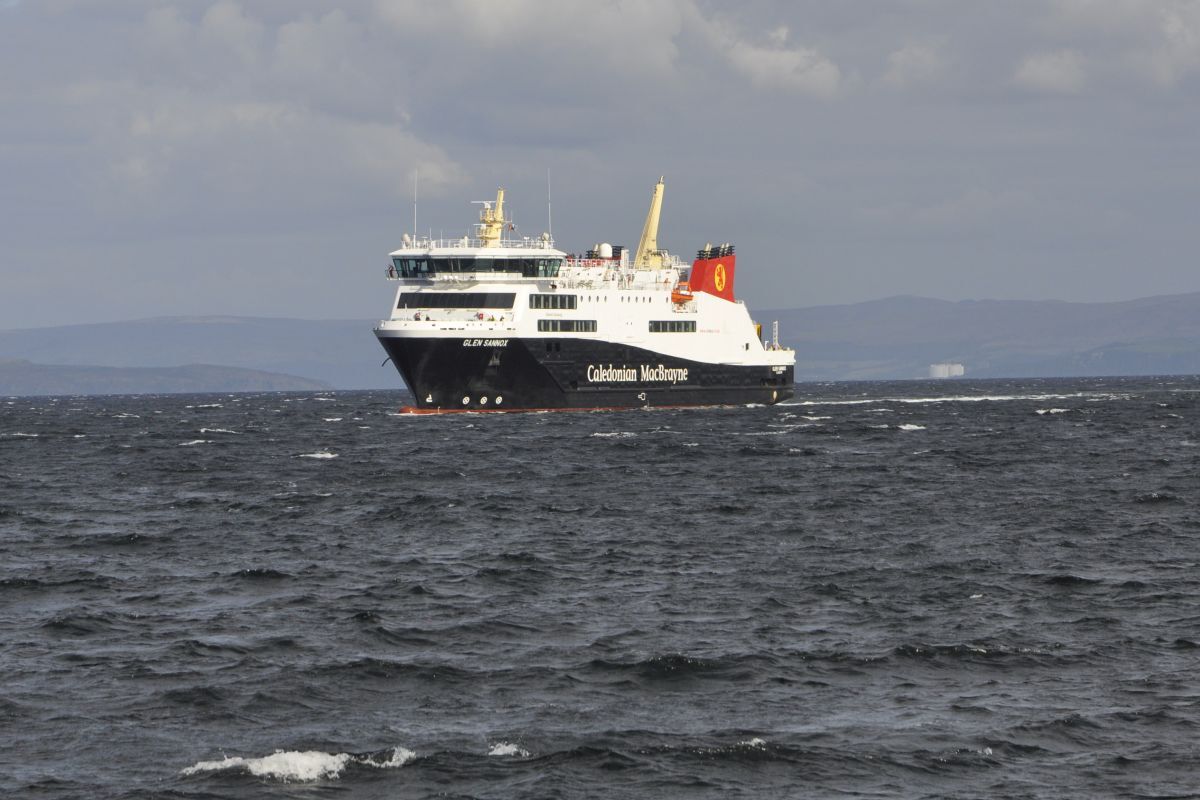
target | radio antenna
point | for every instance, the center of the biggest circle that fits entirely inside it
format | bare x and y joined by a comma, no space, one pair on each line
549,216
416,177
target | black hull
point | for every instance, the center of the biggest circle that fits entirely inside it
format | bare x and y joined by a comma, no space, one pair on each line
563,373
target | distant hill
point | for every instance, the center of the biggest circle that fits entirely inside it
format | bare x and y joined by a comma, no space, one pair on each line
342,353
898,337
19,377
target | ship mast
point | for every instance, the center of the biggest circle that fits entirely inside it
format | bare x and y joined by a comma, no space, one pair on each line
648,255
491,221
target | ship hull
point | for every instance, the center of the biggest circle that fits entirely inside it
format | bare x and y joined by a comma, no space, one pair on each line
514,374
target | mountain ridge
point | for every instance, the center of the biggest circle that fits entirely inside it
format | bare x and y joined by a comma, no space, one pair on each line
21,377
888,338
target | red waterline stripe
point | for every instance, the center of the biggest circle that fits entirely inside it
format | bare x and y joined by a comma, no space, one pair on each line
415,410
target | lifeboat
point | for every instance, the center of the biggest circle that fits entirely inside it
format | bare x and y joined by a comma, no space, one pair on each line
682,293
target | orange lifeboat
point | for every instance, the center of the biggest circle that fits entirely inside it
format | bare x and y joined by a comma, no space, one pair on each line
682,293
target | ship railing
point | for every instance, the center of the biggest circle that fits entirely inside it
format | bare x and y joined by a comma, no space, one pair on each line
592,263
525,243
457,316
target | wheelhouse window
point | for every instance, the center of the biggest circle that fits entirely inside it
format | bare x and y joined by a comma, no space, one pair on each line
567,325
423,267
673,326
567,301
456,300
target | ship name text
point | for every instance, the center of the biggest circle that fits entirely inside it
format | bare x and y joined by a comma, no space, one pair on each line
648,373
485,342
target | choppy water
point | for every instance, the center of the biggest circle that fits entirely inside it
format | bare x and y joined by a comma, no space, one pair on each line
968,589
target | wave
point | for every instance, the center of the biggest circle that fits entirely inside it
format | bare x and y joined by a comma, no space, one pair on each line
1156,497
303,766
1070,581
968,398
260,573
79,624
319,454
678,666
371,669
508,749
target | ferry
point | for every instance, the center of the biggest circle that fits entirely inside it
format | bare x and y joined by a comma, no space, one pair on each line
490,322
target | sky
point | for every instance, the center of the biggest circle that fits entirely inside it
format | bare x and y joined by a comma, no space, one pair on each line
238,157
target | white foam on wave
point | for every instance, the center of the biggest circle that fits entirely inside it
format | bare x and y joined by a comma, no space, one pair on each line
322,454
508,749
1041,411
22,435
333,419
615,434
218,430
756,743
968,398
194,442
908,426
301,766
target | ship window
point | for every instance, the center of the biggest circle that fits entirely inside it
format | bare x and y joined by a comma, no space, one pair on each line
456,300
412,267
568,301
526,267
567,325
673,326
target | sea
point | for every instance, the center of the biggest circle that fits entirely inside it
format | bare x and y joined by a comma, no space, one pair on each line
952,589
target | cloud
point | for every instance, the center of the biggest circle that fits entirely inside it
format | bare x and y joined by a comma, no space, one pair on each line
630,38
229,114
1177,52
137,127
228,28
772,65
1061,72
912,65
1155,41
254,150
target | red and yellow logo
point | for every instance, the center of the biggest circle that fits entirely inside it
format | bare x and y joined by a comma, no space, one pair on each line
719,277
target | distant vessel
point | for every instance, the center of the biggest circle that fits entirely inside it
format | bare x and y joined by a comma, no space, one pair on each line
946,369
488,323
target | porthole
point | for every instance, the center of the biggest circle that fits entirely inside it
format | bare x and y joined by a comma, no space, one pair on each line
499,399
483,401
466,401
